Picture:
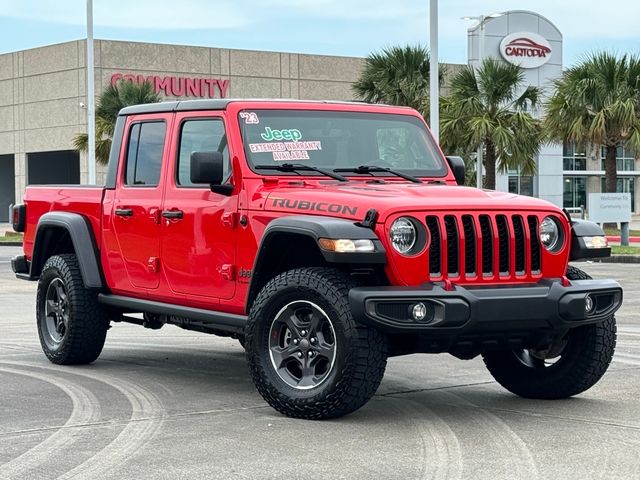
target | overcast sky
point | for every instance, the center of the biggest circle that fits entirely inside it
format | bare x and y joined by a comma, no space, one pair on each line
335,27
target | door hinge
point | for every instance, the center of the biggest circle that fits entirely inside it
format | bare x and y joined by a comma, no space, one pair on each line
228,271
229,219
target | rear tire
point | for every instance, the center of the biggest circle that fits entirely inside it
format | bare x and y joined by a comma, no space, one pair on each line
582,357
308,357
72,325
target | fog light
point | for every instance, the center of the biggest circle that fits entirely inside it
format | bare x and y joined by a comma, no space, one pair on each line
589,304
419,311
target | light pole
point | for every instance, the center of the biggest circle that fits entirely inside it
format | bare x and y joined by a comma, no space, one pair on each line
434,80
481,20
91,101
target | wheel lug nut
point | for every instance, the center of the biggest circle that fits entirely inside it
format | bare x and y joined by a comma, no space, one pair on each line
296,341
311,354
303,332
313,340
299,354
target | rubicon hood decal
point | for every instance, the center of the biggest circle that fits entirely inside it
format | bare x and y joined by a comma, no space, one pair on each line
324,207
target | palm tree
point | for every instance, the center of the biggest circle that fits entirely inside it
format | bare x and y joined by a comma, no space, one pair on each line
598,102
489,107
113,99
397,76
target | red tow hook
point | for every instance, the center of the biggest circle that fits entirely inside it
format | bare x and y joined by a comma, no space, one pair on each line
565,281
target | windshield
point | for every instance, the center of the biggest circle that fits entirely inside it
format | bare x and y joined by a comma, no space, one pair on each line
332,140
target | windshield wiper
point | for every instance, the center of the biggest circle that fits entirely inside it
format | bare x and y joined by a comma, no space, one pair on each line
374,168
292,167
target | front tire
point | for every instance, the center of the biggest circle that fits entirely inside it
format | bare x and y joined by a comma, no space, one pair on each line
72,325
307,355
569,367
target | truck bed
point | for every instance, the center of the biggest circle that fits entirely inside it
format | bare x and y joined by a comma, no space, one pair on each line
83,199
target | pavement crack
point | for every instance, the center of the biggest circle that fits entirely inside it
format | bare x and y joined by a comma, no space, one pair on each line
418,390
116,423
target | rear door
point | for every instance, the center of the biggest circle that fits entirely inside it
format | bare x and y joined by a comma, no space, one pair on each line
198,229
138,197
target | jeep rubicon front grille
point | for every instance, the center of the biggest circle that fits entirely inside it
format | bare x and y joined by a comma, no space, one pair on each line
499,246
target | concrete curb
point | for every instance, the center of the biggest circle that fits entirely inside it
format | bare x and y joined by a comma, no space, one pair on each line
616,238
11,244
621,259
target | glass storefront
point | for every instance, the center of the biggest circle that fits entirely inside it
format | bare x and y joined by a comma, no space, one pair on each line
574,192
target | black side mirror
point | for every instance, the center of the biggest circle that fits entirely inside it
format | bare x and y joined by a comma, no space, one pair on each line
457,165
208,167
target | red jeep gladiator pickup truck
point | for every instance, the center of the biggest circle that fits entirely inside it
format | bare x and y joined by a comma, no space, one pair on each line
324,236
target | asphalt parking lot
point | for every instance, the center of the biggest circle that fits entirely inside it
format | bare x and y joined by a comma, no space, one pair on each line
176,404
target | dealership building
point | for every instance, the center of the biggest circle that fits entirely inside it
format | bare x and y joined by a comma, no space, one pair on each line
43,96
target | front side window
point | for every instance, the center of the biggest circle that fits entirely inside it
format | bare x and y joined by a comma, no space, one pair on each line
201,135
144,154
331,140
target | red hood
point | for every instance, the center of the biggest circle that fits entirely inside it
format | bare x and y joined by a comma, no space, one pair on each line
352,200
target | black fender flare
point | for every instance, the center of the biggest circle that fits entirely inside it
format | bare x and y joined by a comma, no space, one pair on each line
584,228
315,227
84,244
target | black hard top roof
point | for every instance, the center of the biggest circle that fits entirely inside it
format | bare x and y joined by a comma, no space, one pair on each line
212,104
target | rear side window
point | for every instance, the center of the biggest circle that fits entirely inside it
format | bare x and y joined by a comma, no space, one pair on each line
201,135
144,155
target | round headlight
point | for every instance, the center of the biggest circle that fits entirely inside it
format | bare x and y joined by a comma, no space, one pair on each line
550,234
403,235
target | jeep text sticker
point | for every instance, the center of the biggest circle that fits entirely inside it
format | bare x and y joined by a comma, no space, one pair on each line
296,149
250,118
284,134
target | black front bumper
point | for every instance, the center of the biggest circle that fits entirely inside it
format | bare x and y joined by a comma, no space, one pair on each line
547,305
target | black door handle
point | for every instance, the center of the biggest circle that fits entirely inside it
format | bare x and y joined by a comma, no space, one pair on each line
172,214
124,212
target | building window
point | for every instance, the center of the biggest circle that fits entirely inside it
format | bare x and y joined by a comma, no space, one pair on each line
521,184
625,185
625,159
575,192
574,157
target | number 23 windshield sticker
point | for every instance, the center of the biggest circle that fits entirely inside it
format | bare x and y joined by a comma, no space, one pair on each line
250,118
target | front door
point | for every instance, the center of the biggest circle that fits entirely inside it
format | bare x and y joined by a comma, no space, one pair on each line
138,197
198,226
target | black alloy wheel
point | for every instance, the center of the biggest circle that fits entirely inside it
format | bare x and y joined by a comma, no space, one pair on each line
302,345
54,323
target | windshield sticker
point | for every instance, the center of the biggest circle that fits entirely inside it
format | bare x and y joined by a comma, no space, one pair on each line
294,155
250,118
284,134
283,151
